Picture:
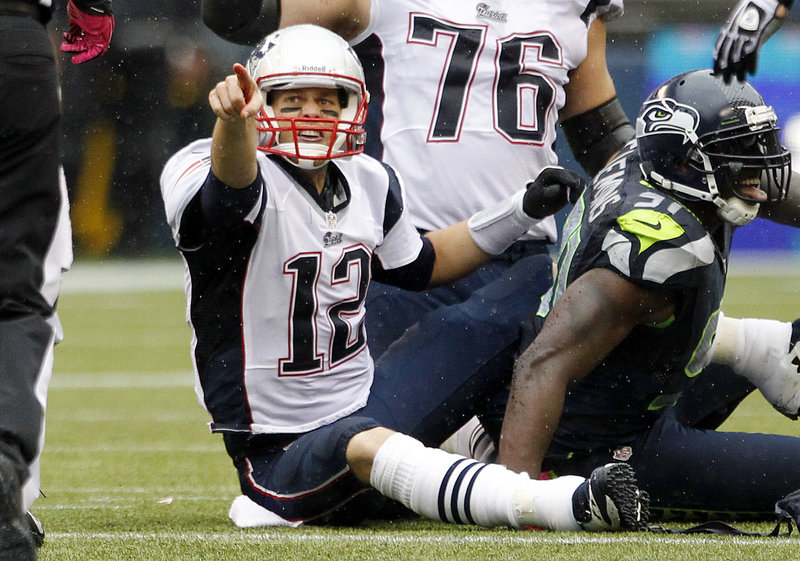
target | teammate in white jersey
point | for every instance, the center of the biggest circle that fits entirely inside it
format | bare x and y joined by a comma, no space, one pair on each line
466,98
279,251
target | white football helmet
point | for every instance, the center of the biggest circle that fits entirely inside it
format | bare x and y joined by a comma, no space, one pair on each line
310,56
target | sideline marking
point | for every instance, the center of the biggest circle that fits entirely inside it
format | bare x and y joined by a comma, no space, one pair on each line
115,380
136,275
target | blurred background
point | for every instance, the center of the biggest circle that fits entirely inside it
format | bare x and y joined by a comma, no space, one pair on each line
128,112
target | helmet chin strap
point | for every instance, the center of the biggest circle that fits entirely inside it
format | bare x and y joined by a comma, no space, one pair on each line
313,153
736,211
732,210
305,163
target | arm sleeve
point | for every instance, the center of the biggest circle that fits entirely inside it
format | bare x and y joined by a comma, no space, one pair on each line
217,208
596,135
402,242
414,276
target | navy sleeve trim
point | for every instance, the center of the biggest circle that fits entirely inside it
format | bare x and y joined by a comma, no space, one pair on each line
224,207
215,209
415,276
394,201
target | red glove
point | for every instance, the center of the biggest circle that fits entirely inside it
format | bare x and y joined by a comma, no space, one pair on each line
89,35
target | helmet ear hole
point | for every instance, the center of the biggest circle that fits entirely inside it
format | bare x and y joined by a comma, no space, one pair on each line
344,97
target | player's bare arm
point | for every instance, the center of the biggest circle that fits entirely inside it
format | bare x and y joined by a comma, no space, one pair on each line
348,18
456,253
247,21
595,313
590,84
235,101
593,121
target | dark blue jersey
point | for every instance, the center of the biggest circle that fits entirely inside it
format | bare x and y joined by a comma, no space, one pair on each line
625,225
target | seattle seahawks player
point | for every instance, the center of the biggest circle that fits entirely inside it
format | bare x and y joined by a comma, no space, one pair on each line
631,318
281,219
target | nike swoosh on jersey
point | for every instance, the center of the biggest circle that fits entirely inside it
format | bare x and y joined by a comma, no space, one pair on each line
650,226
656,226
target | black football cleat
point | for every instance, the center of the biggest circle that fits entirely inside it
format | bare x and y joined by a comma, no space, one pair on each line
611,501
16,542
36,528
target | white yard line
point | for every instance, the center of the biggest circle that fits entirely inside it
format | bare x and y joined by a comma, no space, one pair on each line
344,537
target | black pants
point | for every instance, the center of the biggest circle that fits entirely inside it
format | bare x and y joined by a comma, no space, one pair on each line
30,200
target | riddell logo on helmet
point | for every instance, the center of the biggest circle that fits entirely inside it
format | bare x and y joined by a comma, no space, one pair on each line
312,68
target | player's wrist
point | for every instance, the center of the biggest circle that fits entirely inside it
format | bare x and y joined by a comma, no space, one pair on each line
768,6
495,228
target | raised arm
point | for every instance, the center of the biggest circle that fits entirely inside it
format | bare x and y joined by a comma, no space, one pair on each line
248,21
590,84
592,118
235,101
591,318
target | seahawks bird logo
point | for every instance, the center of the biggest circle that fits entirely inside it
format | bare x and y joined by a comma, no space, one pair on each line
667,116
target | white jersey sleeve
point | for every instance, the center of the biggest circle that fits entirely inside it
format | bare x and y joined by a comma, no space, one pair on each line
469,94
181,179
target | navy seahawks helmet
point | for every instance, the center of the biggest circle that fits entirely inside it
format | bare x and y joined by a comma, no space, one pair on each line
707,140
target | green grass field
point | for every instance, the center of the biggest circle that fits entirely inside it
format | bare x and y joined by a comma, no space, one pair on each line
131,472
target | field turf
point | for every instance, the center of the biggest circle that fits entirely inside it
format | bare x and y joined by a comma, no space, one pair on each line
131,472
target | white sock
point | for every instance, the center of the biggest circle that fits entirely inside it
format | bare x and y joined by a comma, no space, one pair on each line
548,503
451,488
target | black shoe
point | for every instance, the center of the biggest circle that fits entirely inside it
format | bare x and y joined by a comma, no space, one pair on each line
36,528
610,500
16,542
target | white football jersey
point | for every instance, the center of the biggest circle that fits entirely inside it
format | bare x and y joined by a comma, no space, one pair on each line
470,95
303,285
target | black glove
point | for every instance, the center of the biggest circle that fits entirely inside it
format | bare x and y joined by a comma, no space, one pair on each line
551,191
751,23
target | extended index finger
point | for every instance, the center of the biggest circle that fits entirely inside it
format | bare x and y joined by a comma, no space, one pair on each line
252,95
